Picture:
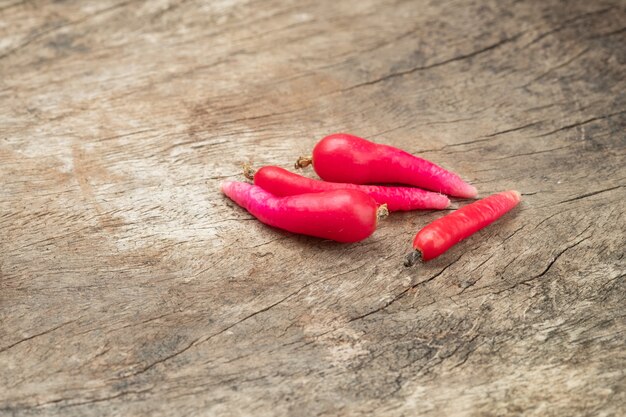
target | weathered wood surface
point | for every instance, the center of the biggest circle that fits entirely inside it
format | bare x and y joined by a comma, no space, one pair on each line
130,286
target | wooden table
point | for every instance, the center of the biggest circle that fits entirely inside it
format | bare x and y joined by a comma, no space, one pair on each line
131,286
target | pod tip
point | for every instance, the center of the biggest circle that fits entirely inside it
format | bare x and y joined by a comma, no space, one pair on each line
471,191
464,190
224,186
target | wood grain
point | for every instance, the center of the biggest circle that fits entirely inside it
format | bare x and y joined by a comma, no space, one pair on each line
131,286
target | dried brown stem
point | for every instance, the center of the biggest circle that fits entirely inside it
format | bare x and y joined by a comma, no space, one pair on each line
248,171
303,162
412,258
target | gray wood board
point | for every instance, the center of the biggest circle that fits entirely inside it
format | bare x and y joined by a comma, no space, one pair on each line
131,286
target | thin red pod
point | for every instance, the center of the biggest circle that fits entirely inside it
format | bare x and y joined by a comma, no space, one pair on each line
350,159
279,181
447,231
341,215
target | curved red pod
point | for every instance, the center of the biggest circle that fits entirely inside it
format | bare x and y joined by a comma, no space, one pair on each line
340,215
445,232
346,158
279,181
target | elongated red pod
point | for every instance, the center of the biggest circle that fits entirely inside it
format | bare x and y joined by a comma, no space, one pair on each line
346,158
279,181
447,231
341,215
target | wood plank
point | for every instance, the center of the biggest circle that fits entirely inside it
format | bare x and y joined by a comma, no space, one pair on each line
131,286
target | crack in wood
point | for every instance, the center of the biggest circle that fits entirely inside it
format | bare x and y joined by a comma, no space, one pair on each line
46,32
436,64
404,293
582,123
567,23
546,269
591,194
45,332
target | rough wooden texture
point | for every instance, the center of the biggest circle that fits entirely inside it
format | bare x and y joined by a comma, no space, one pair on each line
131,286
